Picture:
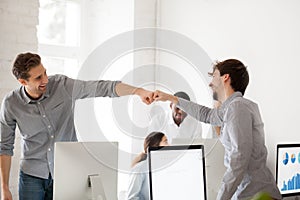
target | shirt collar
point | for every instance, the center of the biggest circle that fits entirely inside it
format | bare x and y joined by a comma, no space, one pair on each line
28,100
230,99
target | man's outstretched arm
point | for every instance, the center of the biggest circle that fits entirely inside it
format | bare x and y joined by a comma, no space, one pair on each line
161,96
123,89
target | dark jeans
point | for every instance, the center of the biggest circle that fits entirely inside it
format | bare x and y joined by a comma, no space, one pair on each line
34,188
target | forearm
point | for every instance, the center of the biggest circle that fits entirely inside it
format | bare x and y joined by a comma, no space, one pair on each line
173,99
162,96
123,89
201,113
5,164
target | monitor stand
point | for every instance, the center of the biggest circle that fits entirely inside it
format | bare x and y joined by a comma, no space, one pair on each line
95,183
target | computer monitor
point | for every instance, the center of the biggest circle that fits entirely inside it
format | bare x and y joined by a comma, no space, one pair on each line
214,162
85,170
288,169
177,172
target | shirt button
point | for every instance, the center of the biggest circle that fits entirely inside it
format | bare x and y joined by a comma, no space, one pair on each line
49,126
49,149
44,116
52,136
39,103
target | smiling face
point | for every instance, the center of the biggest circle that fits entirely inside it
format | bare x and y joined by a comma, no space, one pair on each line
36,84
177,114
217,86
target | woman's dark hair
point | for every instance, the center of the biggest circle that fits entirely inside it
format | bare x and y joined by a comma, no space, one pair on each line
152,140
23,63
237,72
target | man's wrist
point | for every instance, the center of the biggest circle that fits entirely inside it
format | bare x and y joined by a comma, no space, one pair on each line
137,91
174,99
4,187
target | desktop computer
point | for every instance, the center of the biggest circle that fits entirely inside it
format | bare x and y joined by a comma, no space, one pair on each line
177,172
214,162
288,170
85,170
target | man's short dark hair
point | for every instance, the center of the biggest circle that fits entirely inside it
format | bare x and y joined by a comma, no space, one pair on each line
23,63
182,95
237,72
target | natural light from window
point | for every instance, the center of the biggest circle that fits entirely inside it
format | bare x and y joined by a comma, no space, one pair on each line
68,31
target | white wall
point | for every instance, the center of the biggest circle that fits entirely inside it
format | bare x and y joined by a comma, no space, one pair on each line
18,20
101,22
262,34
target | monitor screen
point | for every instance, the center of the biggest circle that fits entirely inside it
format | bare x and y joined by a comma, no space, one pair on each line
214,162
288,169
85,170
177,172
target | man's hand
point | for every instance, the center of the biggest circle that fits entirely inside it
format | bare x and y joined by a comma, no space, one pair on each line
161,96
145,95
6,194
5,163
123,89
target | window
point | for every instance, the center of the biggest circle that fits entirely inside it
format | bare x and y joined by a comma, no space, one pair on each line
59,36
68,31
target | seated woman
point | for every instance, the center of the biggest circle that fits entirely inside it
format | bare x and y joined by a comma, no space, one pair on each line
139,182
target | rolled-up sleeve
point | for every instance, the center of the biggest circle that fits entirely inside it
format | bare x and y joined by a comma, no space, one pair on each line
7,131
